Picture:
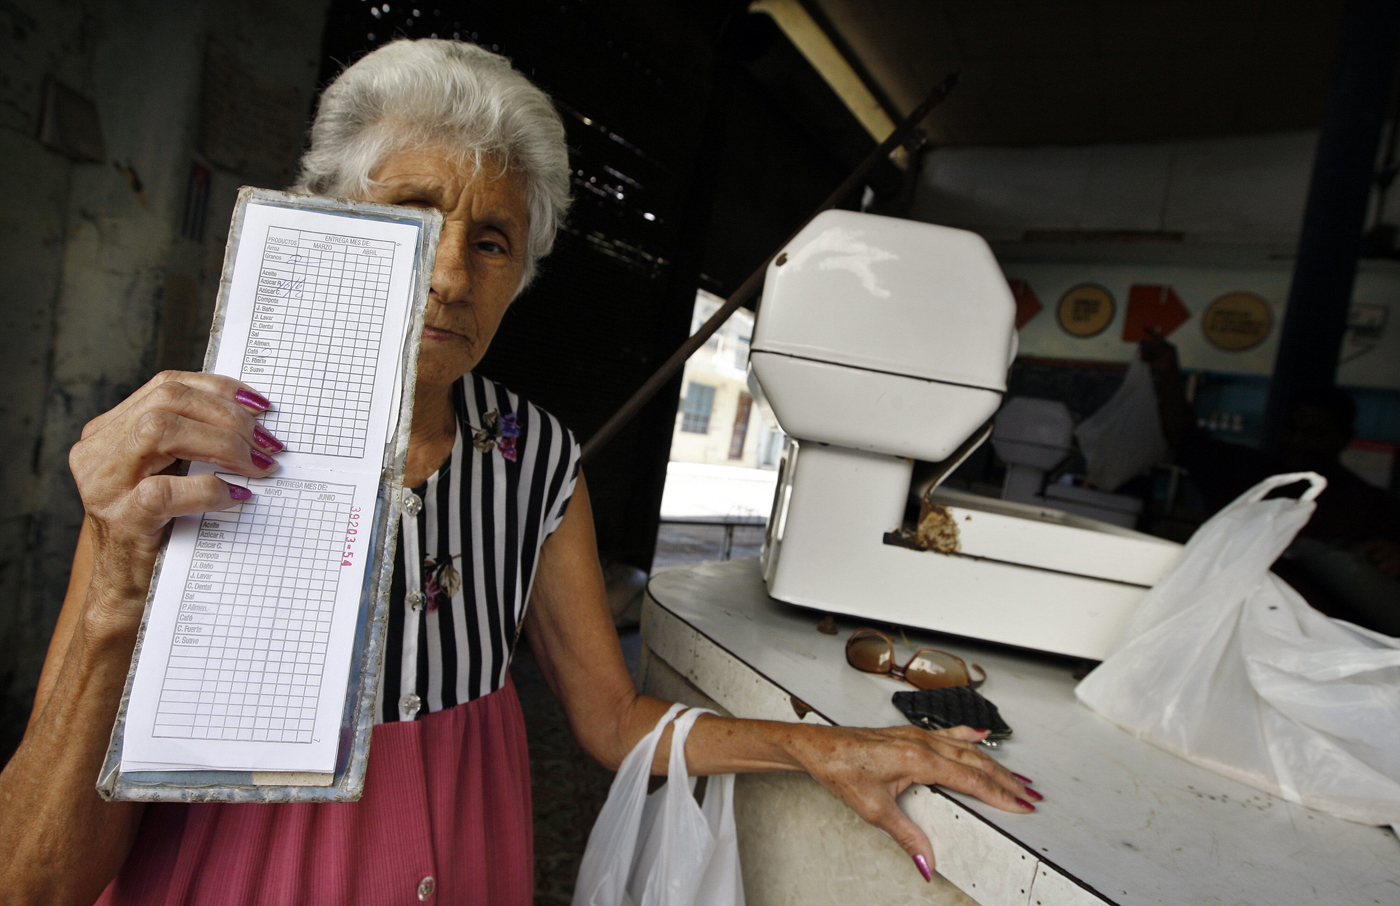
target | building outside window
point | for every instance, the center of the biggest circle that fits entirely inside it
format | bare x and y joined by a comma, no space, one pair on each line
730,471
769,446
741,352
695,411
741,426
716,394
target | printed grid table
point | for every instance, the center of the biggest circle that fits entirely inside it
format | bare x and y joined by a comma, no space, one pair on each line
313,344
247,659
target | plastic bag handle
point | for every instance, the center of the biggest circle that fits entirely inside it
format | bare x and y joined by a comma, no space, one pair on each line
1268,485
653,739
677,768
603,873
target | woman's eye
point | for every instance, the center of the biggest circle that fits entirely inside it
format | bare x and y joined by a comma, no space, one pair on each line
491,246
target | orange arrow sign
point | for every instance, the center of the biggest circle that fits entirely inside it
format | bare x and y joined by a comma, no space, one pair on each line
1150,305
1027,304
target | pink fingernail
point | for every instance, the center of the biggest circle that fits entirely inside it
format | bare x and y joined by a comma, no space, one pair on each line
253,400
1033,794
1025,805
238,492
922,864
1026,780
265,439
262,460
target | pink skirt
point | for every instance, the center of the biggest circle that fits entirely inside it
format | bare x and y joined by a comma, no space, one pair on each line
445,818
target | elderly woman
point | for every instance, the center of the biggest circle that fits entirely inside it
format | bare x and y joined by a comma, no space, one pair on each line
497,537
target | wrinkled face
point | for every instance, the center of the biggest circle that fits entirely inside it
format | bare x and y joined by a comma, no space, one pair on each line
480,258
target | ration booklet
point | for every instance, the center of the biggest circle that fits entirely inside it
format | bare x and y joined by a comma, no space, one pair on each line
249,645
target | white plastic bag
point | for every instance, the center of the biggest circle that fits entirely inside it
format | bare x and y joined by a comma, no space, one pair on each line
1226,666
663,849
1124,437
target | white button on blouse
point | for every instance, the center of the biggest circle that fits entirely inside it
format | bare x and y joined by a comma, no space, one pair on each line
469,542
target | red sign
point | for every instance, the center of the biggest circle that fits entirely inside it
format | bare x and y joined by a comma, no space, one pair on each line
1150,305
1027,305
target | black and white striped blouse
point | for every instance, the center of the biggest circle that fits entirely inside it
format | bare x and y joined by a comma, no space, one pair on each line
469,542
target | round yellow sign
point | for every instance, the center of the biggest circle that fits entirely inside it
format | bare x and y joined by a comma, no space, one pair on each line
1086,310
1237,321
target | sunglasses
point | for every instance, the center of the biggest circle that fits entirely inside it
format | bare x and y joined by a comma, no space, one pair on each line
871,651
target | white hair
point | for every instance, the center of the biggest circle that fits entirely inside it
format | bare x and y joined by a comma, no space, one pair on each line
409,94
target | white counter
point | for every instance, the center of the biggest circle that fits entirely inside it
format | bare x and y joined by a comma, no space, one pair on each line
1122,822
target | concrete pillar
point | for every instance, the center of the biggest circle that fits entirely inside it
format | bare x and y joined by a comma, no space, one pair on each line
90,249
1334,218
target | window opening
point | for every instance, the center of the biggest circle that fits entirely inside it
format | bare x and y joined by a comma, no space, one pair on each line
695,412
741,427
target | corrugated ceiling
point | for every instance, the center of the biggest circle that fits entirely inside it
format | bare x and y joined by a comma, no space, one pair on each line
1071,71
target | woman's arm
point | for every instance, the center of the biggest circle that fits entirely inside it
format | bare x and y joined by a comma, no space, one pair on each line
79,577
59,841
572,634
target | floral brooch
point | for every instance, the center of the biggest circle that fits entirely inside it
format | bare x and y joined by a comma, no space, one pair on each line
442,582
499,433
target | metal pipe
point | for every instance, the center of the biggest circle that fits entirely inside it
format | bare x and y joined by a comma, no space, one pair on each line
750,286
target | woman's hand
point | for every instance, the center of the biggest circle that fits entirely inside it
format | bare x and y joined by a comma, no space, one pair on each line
59,842
572,636
868,769
123,462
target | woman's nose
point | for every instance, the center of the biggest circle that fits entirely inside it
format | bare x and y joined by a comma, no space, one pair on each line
451,275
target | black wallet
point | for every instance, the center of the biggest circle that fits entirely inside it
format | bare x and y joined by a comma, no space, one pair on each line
939,709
